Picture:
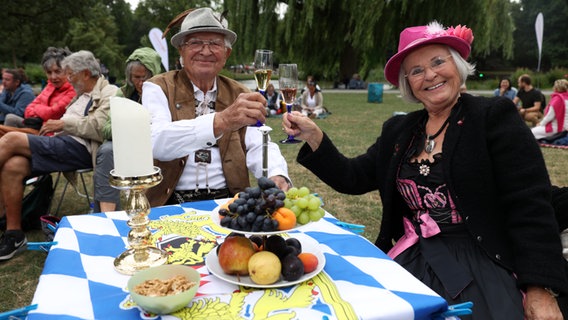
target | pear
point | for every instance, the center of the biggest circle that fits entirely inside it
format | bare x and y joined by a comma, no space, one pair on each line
264,268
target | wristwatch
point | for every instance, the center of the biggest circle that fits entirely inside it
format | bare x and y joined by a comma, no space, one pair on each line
552,292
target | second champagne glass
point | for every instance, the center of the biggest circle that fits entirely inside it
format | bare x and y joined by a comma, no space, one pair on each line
262,71
288,82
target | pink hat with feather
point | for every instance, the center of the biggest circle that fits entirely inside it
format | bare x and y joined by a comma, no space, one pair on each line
459,38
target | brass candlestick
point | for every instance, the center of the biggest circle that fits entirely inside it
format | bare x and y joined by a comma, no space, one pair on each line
142,254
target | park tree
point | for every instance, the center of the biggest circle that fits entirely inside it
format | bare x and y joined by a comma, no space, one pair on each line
333,38
555,42
29,27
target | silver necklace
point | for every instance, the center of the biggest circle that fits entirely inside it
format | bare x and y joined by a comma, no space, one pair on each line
430,143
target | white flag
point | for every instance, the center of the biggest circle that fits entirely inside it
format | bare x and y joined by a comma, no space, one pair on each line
160,45
539,28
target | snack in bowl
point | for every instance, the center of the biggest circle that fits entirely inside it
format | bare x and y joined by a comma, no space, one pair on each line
181,282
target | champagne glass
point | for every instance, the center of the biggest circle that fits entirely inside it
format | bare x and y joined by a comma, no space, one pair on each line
262,71
288,82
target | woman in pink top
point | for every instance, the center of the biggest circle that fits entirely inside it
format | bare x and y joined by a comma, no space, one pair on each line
54,98
555,115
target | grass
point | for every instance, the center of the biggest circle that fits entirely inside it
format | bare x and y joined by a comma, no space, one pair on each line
353,126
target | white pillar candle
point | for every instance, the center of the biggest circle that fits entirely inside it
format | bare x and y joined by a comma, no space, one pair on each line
131,138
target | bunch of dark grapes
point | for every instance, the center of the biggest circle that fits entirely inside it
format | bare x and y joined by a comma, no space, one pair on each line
252,210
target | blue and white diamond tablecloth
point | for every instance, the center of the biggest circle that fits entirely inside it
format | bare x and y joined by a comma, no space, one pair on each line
359,281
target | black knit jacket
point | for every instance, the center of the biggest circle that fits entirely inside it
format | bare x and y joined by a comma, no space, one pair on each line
496,175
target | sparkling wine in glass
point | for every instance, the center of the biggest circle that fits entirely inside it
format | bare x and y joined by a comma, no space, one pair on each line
262,71
288,83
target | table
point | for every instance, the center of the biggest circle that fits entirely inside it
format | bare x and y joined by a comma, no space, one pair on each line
358,282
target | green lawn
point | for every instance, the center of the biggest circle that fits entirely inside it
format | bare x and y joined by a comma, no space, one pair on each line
353,126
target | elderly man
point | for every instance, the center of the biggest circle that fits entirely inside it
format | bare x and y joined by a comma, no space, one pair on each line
78,135
201,121
16,94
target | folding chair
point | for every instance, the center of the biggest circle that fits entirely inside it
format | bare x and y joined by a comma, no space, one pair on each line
80,172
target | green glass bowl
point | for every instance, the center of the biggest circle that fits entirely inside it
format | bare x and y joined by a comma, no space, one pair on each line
165,304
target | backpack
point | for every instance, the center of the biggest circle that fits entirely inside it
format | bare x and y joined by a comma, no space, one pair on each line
37,202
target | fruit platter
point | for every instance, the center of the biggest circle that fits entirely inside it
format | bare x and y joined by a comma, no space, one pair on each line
255,254
283,262
265,209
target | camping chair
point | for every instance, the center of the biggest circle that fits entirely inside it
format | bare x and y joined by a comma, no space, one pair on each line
70,179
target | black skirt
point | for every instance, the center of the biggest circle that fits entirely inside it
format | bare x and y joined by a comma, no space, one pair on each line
493,289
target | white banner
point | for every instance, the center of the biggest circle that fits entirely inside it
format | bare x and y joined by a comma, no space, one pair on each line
539,28
160,45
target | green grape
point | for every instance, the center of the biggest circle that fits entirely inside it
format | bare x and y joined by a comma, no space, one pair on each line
314,215
296,210
303,191
302,203
314,203
321,212
288,203
303,218
292,193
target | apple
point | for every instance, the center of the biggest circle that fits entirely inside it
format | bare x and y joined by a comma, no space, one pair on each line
234,255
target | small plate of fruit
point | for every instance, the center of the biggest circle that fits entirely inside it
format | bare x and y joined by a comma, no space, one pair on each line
266,209
266,262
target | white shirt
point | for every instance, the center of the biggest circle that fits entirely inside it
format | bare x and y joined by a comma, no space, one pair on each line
176,139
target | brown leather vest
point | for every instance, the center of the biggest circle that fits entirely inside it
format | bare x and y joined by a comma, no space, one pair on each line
179,92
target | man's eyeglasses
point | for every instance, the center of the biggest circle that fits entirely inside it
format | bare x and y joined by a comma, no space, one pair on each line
215,45
436,64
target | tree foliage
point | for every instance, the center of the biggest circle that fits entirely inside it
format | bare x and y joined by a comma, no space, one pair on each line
331,39
555,42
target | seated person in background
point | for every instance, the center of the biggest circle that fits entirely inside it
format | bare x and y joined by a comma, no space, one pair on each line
201,121
531,100
310,78
355,82
555,116
312,100
505,89
17,94
272,100
141,65
53,99
73,147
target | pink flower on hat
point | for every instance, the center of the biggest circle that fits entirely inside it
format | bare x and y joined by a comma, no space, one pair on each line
461,32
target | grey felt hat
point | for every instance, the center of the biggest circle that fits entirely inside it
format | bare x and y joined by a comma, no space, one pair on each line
202,20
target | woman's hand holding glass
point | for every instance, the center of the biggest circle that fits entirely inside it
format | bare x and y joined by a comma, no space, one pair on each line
298,125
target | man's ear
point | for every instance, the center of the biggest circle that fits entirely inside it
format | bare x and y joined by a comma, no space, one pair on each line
228,53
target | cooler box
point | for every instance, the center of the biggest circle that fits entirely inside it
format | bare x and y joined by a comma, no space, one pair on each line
375,92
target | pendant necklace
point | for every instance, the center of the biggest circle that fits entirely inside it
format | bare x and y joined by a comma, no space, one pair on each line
430,143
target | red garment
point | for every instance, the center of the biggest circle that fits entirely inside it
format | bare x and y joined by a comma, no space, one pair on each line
51,102
559,106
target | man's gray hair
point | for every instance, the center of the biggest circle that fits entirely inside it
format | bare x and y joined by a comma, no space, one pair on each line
82,60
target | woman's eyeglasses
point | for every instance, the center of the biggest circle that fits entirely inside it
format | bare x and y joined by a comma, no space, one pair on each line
436,64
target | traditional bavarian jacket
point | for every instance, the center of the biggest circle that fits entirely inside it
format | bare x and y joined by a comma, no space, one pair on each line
179,92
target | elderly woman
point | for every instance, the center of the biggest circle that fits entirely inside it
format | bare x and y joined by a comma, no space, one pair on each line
53,99
555,116
464,187
141,65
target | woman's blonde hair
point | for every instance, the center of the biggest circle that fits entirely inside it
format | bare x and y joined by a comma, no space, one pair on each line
560,85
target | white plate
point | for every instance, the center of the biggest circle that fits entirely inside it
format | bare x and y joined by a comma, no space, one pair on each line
215,218
308,245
